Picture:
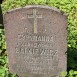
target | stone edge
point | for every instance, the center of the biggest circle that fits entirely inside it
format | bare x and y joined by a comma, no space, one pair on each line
40,6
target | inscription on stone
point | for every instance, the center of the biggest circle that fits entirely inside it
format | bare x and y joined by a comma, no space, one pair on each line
36,41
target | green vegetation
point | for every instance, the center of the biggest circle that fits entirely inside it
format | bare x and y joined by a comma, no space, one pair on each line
68,6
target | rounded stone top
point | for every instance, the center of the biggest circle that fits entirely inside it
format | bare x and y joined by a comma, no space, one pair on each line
39,6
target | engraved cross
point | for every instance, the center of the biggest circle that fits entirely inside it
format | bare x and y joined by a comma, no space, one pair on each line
35,16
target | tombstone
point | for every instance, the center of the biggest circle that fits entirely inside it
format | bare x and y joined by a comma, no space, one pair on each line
36,41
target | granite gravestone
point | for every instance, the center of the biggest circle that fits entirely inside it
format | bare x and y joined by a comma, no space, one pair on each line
36,41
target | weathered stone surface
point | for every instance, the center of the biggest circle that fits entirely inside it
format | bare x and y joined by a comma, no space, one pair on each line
36,41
